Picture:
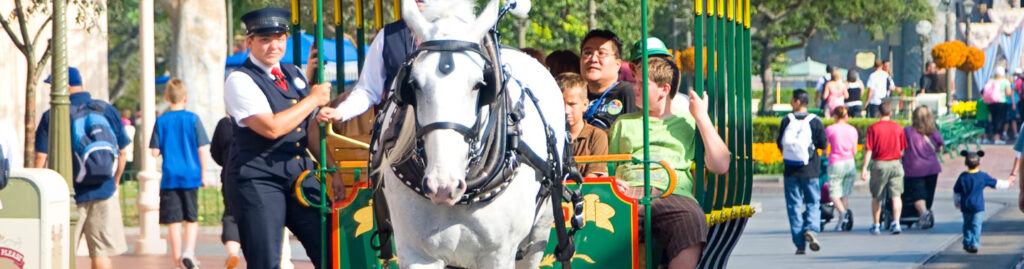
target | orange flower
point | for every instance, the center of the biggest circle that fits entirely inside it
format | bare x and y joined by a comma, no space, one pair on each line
949,54
688,63
975,60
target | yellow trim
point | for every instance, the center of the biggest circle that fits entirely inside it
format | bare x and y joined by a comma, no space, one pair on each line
698,7
378,13
337,12
397,6
746,16
351,164
721,9
295,12
731,10
604,158
711,8
298,188
315,14
972,171
359,13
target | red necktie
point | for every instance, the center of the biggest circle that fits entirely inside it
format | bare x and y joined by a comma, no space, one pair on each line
276,71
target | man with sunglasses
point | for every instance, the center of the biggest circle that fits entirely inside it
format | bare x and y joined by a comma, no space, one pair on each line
600,61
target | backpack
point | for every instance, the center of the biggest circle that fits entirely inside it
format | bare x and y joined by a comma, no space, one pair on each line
5,168
796,141
989,92
93,143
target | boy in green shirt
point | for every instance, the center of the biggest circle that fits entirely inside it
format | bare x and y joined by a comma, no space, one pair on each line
678,220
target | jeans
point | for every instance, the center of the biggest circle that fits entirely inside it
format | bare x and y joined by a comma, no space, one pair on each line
972,228
873,111
802,193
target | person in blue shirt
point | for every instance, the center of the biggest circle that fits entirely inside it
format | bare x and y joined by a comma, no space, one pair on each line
969,198
179,136
99,210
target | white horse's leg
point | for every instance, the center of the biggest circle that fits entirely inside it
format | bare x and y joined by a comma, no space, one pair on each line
413,259
538,239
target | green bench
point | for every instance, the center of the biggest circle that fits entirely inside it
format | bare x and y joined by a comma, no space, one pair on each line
957,133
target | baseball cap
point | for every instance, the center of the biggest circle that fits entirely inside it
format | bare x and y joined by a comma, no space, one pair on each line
654,48
74,78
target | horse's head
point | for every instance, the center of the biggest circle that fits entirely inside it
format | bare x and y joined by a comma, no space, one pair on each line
444,84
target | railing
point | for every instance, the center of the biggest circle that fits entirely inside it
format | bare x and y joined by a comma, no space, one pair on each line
211,203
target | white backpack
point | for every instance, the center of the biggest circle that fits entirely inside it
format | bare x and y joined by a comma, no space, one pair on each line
797,141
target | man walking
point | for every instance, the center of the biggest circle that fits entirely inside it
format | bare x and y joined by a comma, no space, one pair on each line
879,86
883,150
99,210
800,135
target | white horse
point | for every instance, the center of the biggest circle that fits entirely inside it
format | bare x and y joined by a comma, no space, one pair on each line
436,233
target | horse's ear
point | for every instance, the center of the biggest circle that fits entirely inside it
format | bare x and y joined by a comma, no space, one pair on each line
963,153
488,17
415,20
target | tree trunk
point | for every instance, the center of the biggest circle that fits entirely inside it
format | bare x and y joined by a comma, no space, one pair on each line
197,55
767,77
30,114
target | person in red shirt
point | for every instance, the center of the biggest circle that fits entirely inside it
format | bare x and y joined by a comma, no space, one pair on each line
884,147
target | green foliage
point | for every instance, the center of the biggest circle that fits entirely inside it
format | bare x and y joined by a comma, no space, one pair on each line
561,24
123,50
767,128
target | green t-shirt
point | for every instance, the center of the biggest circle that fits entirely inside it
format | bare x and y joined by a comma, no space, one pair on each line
671,139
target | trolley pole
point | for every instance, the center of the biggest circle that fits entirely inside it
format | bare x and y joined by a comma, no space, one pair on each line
698,86
646,201
296,33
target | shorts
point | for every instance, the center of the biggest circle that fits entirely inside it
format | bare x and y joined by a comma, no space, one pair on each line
916,188
178,205
101,226
678,221
886,176
841,175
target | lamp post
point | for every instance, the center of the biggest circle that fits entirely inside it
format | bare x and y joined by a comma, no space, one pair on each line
968,9
947,5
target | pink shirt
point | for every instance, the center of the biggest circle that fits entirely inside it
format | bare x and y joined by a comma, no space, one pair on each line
842,138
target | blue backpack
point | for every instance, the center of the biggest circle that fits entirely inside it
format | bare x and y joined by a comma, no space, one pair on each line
94,144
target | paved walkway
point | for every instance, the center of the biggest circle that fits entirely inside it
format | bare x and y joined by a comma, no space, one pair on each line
766,242
209,251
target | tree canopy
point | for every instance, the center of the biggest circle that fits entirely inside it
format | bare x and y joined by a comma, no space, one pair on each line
783,25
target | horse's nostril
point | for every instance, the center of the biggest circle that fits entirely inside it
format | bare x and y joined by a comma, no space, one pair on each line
426,188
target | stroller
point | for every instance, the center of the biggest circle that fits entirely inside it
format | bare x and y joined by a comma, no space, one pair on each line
909,216
828,209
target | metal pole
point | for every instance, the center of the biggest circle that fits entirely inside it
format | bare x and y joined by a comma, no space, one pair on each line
698,87
749,134
60,117
378,14
720,97
969,74
318,12
339,38
296,34
710,179
730,124
360,34
646,201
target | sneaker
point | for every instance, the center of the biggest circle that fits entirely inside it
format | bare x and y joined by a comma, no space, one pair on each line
190,262
925,220
232,262
874,229
971,249
895,228
812,240
800,251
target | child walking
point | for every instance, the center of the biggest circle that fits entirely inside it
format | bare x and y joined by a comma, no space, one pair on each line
970,200
179,136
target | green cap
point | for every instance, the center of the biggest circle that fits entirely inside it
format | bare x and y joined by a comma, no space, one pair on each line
654,48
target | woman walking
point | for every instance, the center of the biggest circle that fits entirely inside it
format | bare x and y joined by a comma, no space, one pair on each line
920,165
842,169
854,90
835,94
995,95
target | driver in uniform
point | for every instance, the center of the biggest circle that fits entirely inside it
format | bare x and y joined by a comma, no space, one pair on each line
271,104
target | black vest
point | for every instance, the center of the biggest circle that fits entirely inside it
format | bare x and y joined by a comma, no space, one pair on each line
255,156
398,45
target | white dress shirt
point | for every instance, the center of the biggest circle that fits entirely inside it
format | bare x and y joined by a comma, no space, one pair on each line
370,88
242,97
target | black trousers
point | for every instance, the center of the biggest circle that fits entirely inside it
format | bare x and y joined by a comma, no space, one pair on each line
854,111
873,111
229,224
997,113
264,207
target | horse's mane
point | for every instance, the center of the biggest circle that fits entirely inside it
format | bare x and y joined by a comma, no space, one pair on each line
406,139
